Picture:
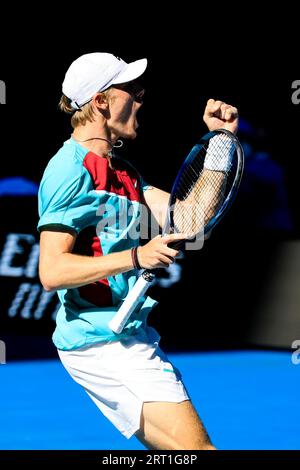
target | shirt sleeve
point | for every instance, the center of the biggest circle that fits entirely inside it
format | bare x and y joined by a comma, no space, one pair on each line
64,202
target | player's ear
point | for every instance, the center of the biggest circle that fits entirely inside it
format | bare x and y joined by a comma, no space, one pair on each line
100,101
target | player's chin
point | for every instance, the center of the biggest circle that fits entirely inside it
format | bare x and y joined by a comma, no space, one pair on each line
130,134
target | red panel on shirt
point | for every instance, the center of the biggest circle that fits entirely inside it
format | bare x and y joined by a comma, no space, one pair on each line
121,180
99,292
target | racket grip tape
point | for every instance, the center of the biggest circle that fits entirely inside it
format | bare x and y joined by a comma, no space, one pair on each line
118,322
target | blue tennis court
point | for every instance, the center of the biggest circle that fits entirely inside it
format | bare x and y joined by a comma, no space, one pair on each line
247,399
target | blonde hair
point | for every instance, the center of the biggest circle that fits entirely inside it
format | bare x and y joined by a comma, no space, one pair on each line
81,116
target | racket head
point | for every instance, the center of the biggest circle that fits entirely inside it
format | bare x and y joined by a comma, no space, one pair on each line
187,183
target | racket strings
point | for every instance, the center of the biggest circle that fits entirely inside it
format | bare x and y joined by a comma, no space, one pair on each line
190,175
218,148
201,192
202,204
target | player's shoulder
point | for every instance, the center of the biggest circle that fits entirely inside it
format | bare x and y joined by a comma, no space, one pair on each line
68,160
65,170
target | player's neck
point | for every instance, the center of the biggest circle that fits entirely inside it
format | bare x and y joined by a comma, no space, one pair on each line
94,139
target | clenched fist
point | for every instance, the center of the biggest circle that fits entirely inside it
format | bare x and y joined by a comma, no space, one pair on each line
219,115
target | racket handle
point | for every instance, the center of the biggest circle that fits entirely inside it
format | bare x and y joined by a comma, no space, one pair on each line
118,322
176,245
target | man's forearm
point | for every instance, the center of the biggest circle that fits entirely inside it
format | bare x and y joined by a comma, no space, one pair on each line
194,212
68,270
158,202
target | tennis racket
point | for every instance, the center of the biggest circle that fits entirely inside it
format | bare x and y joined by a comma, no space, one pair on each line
203,191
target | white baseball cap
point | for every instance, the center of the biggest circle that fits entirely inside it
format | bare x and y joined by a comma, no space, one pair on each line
92,73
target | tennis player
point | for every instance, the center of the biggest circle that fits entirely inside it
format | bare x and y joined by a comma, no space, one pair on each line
89,206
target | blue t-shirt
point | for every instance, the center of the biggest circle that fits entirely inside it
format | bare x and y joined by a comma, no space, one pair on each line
80,193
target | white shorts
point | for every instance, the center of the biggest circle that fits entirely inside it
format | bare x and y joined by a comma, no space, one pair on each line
120,376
